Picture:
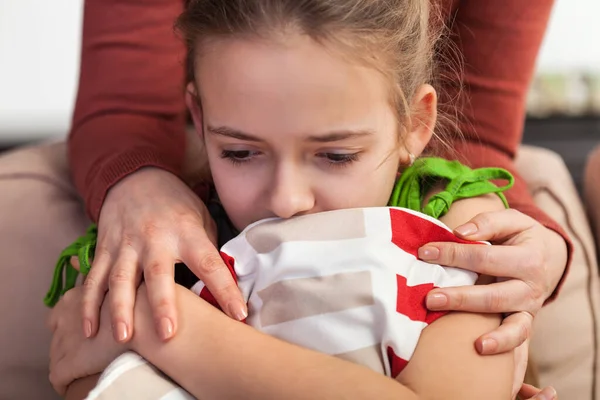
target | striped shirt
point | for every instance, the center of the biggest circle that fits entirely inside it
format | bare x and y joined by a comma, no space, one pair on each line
346,282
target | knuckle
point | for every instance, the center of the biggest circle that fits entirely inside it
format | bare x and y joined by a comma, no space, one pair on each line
524,330
120,275
484,256
90,283
127,240
156,268
149,229
535,262
483,220
495,301
450,253
102,252
210,263
534,301
459,301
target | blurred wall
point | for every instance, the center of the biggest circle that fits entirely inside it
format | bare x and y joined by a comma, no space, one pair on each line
39,52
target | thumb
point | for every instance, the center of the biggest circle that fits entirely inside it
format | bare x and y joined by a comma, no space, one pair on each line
495,225
528,392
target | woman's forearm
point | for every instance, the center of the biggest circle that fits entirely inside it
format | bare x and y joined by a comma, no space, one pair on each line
215,357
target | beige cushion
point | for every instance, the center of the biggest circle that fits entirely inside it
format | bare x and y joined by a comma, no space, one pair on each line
41,213
564,343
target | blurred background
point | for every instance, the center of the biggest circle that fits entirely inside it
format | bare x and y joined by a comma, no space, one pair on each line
39,56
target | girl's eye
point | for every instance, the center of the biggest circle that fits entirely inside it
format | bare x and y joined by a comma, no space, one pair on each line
339,159
238,156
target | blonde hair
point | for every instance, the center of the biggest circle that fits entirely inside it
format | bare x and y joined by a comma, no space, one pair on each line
397,37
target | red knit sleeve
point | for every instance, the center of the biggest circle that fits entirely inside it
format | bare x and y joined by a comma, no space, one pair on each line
130,110
499,42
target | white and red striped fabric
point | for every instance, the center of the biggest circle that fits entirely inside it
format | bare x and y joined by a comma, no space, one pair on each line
346,283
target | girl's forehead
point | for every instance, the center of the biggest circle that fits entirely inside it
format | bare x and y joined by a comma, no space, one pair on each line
300,82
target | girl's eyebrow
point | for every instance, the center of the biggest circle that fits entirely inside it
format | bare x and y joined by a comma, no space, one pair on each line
335,136
232,133
339,135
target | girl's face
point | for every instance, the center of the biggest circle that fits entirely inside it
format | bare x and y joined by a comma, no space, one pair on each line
291,128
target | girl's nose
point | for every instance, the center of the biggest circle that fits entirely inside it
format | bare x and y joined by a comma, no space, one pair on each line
291,195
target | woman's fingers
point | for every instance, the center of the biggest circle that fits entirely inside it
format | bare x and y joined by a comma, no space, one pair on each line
521,358
514,331
510,261
158,275
123,281
529,392
495,225
200,255
502,297
95,286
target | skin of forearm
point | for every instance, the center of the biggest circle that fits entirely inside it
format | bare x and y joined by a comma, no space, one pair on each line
227,359
80,388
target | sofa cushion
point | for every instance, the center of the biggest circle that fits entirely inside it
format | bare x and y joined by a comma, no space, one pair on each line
564,343
40,213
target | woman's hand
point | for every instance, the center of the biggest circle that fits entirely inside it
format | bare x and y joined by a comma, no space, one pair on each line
72,356
528,257
149,222
532,393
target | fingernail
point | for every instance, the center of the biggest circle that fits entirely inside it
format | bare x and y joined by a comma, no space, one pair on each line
165,328
548,393
87,328
466,229
238,310
488,346
436,301
429,253
120,332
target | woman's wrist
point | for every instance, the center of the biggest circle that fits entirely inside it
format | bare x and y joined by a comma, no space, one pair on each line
557,255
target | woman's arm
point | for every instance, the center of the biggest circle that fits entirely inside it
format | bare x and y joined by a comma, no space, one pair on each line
130,114
130,110
228,359
499,42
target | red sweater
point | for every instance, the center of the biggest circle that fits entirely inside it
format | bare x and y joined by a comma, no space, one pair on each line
130,109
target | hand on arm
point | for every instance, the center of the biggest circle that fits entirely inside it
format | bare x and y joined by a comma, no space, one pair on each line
72,356
126,149
515,329
499,43
529,256
150,221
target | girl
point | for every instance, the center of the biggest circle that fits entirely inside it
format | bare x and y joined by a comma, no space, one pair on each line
306,107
